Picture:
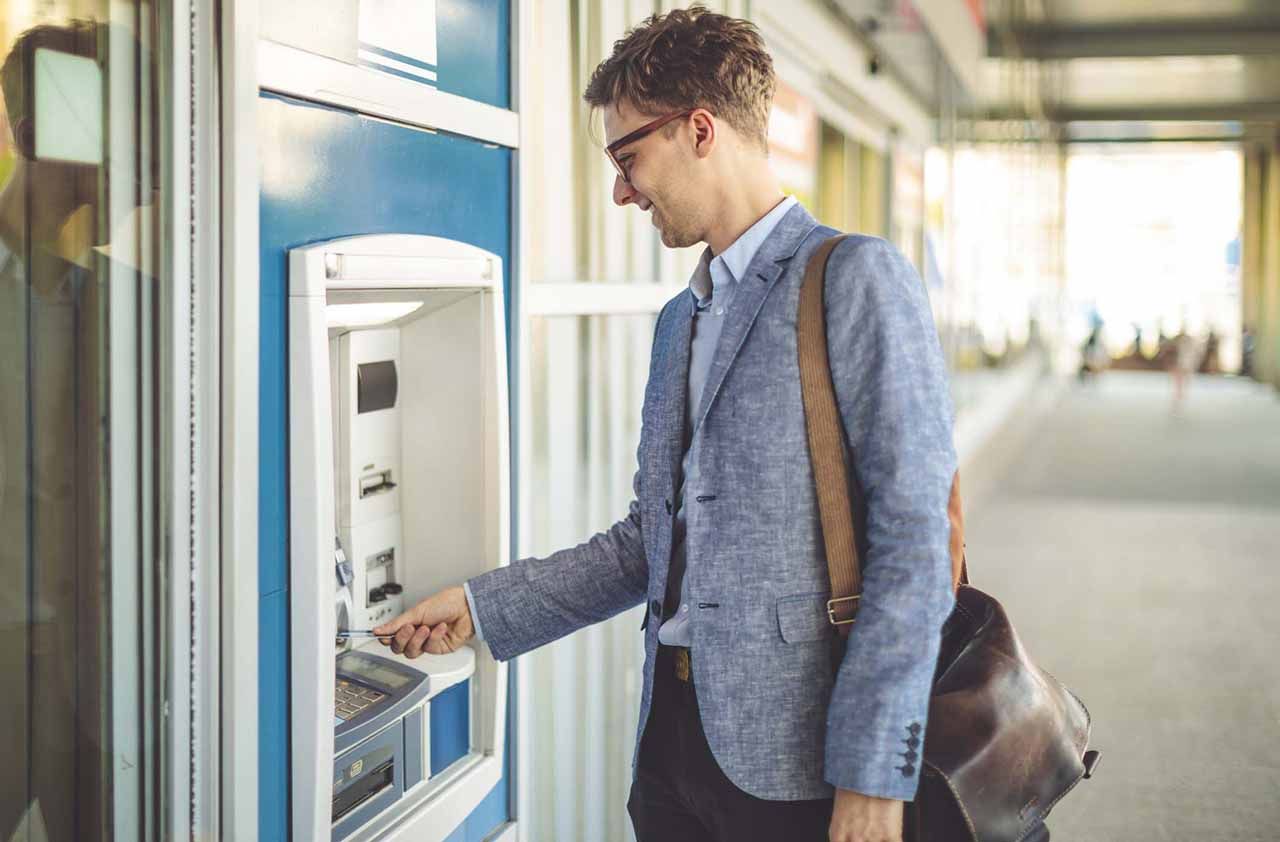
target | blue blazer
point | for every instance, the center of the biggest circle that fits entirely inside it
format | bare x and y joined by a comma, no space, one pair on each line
786,718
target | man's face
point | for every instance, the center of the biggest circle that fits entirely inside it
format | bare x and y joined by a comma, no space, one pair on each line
662,174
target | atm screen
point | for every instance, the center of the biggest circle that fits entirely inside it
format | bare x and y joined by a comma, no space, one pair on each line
372,671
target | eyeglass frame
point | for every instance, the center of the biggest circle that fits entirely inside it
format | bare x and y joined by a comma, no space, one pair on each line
644,131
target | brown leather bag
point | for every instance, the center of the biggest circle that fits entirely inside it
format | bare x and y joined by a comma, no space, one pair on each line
1005,740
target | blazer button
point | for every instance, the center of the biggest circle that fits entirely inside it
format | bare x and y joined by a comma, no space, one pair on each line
668,502
655,608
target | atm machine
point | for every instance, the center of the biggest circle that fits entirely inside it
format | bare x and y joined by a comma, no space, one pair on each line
398,488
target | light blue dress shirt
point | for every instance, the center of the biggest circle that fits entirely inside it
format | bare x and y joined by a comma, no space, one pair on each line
711,291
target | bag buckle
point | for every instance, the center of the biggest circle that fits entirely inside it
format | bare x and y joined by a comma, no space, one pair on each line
831,609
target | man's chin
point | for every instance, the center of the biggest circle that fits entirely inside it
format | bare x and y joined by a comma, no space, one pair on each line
673,240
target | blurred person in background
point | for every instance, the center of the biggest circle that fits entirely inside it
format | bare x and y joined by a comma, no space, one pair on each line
757,720
1185,361
1093,353
1247,344
1210,362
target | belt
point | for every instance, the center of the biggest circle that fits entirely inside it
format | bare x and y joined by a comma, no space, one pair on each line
683,665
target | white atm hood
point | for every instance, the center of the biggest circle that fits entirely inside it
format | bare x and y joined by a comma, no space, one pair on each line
446,300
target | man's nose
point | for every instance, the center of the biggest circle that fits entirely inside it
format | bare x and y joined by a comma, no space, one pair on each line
623,193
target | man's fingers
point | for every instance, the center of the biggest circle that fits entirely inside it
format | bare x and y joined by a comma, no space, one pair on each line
396,623
438,643
426,626
414,649
402,638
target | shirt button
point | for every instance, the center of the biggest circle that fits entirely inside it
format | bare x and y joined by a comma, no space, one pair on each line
719,311
684,609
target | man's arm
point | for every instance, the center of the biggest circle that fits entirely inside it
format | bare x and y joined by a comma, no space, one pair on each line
535,601
891,389
532,601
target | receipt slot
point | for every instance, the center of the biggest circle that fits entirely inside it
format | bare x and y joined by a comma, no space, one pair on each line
398,488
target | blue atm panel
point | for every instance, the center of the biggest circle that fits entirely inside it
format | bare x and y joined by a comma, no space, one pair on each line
450,726
474,40
327,173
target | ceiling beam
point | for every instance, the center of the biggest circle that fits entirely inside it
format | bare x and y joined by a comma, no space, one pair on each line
1084,141
1206,38
1145,112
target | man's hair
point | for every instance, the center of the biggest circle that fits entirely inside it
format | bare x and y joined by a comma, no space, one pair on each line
691,58
79,37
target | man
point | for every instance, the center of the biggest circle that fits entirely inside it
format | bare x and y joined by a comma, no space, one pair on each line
756,721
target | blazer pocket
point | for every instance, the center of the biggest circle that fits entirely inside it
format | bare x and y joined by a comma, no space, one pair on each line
803,617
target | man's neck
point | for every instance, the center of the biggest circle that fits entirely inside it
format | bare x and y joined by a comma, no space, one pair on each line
742,209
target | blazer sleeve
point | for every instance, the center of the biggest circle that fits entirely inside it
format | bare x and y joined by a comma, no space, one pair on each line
892,393
534,601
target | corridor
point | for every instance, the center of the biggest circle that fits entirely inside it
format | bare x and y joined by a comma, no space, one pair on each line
1134,549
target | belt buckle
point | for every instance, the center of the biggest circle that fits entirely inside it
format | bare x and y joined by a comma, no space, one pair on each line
682,664
831,609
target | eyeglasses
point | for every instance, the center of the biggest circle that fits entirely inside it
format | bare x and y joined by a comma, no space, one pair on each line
611,151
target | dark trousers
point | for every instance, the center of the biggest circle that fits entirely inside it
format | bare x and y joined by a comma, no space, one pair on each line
681,795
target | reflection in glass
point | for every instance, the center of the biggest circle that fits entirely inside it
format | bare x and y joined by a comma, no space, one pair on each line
77,618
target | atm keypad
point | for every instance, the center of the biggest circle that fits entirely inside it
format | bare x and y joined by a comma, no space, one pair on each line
351,699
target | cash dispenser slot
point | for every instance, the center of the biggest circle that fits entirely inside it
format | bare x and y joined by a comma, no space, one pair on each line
376,483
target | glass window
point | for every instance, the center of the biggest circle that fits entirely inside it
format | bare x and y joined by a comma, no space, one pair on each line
587,379
78,534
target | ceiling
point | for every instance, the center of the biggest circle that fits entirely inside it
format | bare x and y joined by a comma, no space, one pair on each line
1134,60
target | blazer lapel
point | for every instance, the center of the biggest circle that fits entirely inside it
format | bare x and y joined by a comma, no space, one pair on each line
675,386
753,288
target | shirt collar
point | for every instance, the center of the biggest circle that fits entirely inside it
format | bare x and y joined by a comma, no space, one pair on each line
737,257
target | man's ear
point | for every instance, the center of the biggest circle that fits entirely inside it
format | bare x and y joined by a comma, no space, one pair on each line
24,137
704,132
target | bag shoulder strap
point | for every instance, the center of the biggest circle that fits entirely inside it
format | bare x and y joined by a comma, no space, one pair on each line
826,452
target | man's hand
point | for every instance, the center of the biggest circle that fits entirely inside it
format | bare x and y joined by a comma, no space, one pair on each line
865,818
438,625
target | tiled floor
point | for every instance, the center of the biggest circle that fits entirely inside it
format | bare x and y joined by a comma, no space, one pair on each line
1138,553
